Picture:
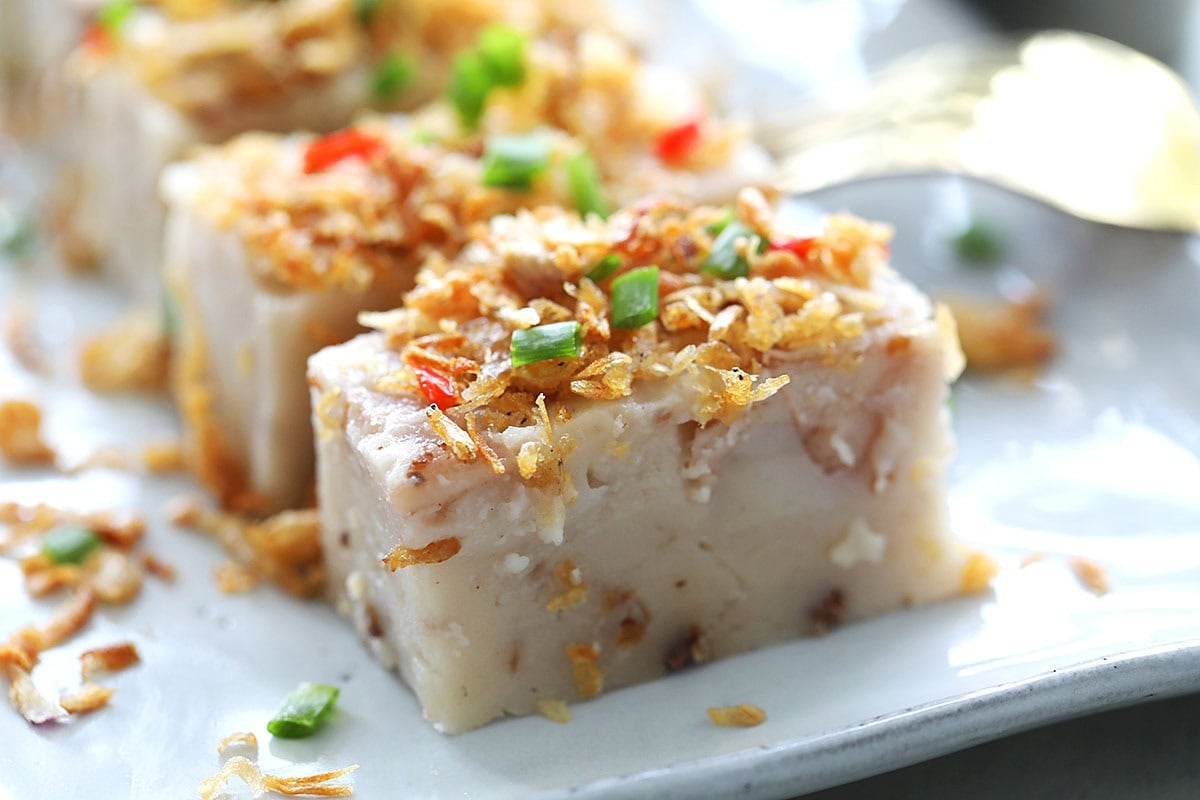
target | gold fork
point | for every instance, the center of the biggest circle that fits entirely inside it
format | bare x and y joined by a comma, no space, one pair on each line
1088,125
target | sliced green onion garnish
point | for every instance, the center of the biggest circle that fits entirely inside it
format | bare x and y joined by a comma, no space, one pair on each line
715,228
303,711
586,189
725,261
17,237
113,15
393,75
604,267
513,162
170,316
556,340
69,544
635,298
503,51
365,10
498,59
469,87
979,244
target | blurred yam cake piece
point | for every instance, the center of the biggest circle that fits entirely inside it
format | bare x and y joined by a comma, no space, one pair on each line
35,38
276,243
268,263
157,79
535,486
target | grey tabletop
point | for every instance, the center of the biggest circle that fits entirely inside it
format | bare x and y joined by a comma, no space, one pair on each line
1150,750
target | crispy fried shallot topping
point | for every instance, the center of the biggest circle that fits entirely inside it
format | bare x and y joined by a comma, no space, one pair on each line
739,716
718,329
318,785
589,680
433,553
112,658
89,697
21,433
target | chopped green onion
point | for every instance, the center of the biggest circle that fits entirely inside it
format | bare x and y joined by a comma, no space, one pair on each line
635,298
725,260
604,267
503,51
303,711
424,136
556,340
365,10
469,87
394,74
113,15
170,316
17,237
513,162
979,244
69,544
583,179
498,59
715,228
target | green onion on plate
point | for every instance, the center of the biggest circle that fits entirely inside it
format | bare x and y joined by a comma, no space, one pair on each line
169,318
303,711
979,244
17,237
69,544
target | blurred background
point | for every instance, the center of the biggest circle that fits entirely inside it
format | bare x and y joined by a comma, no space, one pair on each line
814,35
1168,30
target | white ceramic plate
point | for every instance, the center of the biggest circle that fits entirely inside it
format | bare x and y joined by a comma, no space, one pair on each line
1099,457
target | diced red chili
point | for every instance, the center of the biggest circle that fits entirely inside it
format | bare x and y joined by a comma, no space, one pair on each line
96,40
675,145
329,150
438,389
800,247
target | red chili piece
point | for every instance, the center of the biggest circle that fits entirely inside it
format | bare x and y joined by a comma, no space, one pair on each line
674,145
96,39
800,247
437,388
329,150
